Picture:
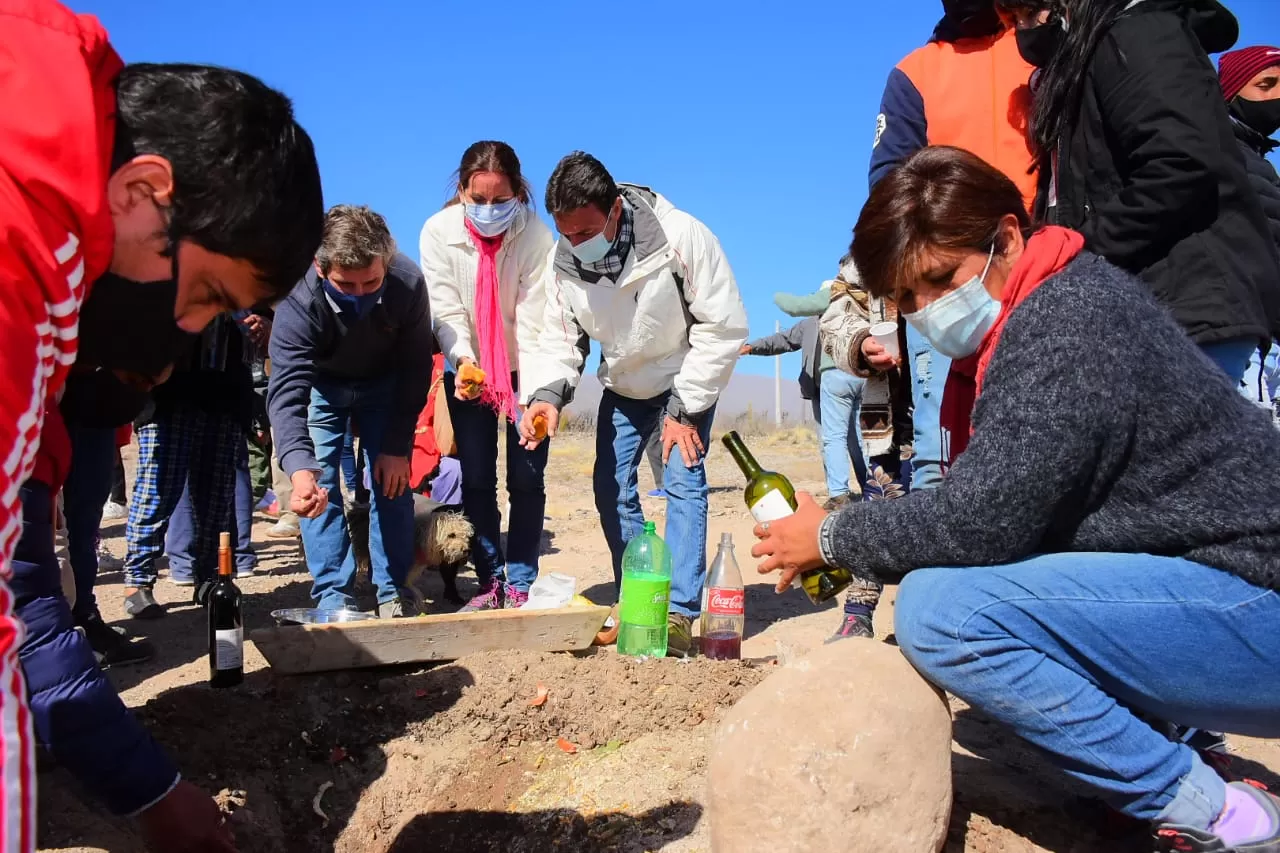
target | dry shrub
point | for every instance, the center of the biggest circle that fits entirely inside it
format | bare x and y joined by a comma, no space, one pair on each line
796,436
577,423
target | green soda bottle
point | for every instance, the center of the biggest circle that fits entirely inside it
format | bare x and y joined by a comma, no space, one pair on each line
646,592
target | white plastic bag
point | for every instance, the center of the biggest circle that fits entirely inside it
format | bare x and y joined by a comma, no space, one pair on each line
550,591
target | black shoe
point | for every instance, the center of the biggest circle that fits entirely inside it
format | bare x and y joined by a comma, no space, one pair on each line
113,646
1184,839
679,635
201,595
142,604
838,503
854,625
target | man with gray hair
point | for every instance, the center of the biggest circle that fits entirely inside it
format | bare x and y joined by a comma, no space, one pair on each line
352,342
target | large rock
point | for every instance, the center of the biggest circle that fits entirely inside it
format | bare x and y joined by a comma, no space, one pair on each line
847,751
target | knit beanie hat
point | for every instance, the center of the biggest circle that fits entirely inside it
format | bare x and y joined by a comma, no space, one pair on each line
1238,67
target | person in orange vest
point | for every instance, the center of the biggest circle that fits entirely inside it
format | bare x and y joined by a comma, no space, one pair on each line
968,88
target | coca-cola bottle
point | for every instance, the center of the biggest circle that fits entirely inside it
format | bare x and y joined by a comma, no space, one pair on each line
724,606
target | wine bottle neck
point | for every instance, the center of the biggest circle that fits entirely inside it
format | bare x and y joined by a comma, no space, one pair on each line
750,467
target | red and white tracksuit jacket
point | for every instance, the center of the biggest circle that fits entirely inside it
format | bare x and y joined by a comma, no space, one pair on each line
57,119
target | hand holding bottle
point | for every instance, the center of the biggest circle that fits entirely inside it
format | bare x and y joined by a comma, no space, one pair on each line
790,544
772,499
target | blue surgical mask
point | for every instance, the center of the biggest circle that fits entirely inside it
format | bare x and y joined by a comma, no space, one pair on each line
493,219
348,303
593,250
957,323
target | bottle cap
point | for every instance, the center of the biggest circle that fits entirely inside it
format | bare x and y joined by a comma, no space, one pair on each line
224,540
650,527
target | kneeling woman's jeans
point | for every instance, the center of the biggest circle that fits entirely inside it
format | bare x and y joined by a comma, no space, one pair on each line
1067,649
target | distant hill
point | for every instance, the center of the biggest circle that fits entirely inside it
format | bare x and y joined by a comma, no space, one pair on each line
745,392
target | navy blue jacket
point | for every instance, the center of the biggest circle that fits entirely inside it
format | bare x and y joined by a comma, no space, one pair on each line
78,715
310,339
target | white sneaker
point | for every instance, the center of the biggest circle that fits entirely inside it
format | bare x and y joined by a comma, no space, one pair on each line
284,530
112,511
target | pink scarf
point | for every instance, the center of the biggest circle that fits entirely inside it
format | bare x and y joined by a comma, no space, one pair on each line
497,392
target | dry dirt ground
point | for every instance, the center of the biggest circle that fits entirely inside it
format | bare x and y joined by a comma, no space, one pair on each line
454,757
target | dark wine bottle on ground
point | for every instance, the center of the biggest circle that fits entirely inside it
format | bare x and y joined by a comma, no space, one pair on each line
771,496
226,629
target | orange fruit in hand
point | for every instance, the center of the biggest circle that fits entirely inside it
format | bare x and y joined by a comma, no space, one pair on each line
470,379
539,426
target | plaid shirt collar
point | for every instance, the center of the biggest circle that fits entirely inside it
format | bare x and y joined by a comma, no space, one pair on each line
610,266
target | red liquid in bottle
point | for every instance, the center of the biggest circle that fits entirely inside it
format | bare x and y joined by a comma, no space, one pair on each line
722,645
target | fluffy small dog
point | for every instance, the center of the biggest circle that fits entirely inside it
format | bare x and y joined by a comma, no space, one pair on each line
442,539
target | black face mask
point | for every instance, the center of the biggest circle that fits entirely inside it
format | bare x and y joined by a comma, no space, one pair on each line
1262,116
970,18
98,399
1038,45
129,325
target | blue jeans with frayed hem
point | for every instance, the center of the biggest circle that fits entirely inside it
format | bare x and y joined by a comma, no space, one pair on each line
1067,649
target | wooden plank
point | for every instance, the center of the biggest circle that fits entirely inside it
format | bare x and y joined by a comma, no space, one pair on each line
379,642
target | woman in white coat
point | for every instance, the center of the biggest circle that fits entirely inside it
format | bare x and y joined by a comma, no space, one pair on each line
484,257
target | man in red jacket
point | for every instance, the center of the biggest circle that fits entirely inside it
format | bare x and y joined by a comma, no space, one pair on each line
197,192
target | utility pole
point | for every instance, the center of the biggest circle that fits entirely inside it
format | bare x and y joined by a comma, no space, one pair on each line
777,382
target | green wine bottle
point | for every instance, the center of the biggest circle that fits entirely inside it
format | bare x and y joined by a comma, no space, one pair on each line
771,496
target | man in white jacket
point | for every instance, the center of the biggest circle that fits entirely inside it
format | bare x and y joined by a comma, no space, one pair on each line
651,284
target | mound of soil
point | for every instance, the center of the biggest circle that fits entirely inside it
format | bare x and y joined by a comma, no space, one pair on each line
589,700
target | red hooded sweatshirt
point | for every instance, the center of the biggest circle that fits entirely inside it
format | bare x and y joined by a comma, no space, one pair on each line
56,135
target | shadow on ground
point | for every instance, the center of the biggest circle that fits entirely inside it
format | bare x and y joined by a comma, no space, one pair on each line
266,747
555,829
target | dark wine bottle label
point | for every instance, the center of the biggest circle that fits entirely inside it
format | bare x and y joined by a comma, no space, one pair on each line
228,648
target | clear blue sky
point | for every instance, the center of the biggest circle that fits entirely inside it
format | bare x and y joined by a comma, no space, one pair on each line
756,118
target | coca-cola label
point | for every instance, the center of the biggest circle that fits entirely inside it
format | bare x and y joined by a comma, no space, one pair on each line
726,602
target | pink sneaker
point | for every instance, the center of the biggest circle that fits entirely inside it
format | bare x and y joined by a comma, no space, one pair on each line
514,598
490,597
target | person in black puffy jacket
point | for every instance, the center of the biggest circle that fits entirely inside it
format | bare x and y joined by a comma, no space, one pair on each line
1138,154
1250,79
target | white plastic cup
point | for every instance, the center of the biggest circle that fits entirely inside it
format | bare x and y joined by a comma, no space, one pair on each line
886,335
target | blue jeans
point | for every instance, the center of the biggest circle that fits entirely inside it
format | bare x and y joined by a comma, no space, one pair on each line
475,428
1262,378
89,482
350,478
179,539
1064,649
841,401
929,370
1232,356
330,559
622,431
